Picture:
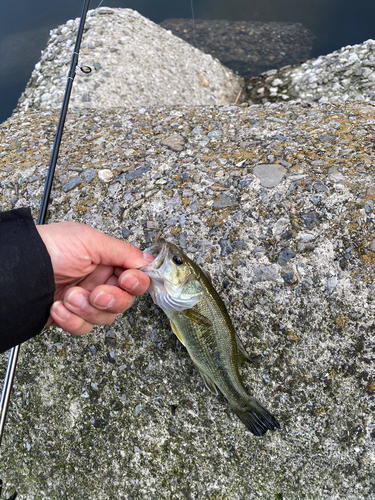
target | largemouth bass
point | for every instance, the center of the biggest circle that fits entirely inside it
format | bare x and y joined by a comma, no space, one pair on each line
201,322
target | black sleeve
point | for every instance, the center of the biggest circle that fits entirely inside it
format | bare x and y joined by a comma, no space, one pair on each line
26,279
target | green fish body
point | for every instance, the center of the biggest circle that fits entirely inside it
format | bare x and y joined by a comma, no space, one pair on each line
201,322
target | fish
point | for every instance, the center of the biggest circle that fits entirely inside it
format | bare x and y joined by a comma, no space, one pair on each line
201,322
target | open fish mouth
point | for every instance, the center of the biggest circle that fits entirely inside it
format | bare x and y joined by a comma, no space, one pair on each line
159,250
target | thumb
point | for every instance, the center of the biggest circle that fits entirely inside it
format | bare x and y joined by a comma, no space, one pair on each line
109,251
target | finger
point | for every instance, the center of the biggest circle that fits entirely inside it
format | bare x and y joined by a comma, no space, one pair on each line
118,271
112,281
100,275
111,299
69,321
134,281
100,309
110,251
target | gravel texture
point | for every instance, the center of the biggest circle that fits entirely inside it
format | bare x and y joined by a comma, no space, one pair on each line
134,62
246,47
348,73
122,413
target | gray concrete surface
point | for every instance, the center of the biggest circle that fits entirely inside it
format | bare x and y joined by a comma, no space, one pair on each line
122,413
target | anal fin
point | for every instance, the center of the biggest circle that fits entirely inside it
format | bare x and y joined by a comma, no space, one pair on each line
209,383
243,355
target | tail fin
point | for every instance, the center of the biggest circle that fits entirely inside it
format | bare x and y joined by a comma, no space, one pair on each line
257,419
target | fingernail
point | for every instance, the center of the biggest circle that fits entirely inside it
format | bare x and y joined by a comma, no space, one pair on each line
148,257
130,282
76,299
60,310
104,300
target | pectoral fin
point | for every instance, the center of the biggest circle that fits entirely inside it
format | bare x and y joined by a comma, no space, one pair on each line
176,332
196,317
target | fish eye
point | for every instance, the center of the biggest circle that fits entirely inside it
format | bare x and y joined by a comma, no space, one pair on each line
177,260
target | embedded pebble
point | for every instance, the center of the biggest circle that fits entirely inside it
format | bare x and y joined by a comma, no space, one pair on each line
215,134
137,173
265,273
182,241
34,178
269,175
306,247
289,275
319,187
225,247
369,206
72,183
242,245
280,226
104,11
338,177
266,379
137,410
306,237
307,283
89,175
172,221
331,284
245,182
105,175
224,201
285,256
175,142
310,219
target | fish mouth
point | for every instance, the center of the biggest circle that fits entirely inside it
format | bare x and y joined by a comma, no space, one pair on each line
158,250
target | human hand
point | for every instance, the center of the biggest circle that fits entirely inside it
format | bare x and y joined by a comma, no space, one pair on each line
96,276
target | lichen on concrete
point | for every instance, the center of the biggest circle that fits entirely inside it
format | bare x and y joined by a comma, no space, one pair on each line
122,412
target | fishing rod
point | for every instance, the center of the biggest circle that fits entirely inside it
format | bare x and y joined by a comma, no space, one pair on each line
13,356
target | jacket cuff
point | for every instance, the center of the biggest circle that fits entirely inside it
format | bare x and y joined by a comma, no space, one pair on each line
26,279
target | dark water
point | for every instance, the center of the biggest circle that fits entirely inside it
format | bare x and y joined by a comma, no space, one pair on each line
25,25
